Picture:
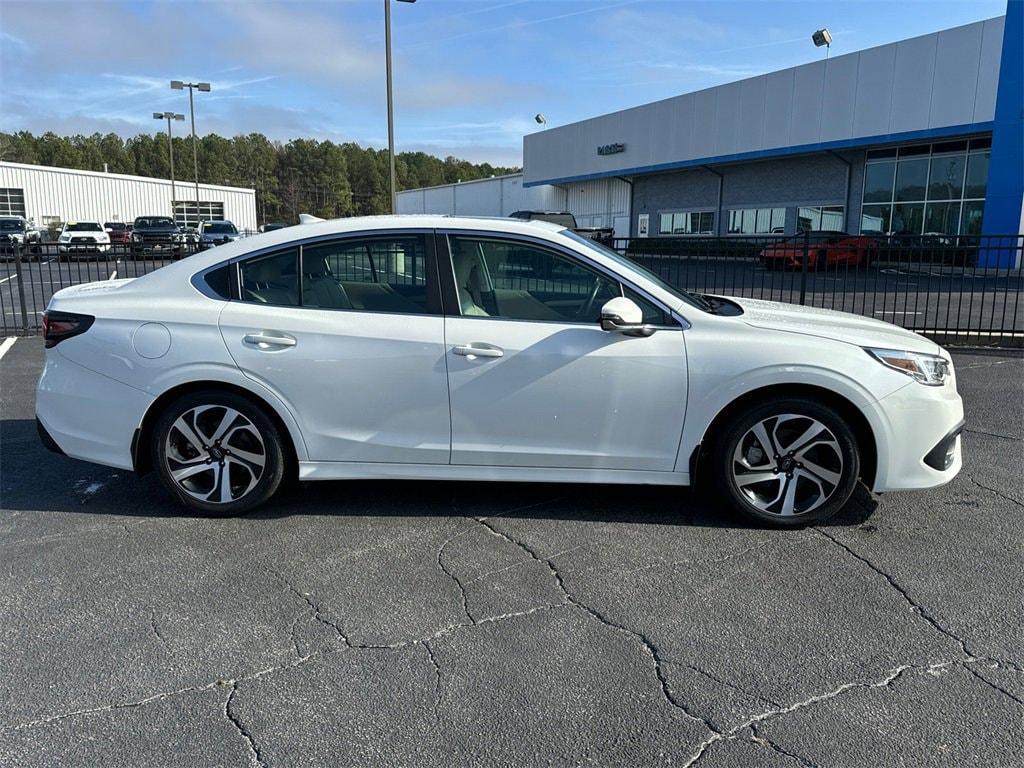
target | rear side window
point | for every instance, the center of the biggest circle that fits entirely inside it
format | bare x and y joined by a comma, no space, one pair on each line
272,279
381,274
219,281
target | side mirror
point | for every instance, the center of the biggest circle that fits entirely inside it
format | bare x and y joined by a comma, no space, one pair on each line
622,315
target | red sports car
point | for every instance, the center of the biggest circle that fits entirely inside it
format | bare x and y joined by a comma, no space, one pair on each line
825,249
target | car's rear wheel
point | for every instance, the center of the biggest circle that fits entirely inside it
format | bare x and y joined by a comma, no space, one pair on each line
789,462
217,452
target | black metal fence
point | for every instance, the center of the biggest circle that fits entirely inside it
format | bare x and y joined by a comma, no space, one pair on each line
954,289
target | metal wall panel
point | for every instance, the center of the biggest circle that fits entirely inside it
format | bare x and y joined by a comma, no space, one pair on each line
73,195
940,80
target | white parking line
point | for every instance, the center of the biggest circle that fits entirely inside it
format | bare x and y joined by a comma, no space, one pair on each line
6,344
112,275
9,277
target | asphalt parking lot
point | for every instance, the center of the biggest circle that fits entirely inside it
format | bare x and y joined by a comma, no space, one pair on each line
369,623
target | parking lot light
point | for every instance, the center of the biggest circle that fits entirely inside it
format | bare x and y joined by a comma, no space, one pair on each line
178,85
391,111
169,116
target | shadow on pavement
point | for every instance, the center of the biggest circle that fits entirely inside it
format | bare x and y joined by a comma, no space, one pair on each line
33,479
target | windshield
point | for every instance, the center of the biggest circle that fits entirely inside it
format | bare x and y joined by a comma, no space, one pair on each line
11,225
115,226
153,222
561,219
220,228
691,299
83,226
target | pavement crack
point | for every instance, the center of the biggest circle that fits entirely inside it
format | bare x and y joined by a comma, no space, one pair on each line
451,575
254,751
765,741
914,605
733,686
156,627
649,646
990,684
314,607
996,491
751,722
437,680
993,434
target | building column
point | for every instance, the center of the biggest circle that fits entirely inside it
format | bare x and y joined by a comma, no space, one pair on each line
1004,197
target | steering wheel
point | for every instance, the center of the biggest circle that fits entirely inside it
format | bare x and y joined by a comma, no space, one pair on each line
585,311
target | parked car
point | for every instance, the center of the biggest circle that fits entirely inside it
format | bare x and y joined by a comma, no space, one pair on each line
393,347
603,235
825,249
120,235
83,240
13,237
213,233
275,225
158,236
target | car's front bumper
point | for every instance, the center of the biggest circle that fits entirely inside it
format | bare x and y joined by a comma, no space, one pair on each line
920,425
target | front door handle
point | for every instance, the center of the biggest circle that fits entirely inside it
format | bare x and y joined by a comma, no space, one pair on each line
478,349
269,339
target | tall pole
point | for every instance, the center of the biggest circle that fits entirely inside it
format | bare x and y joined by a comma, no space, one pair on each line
391,115
195,151
170,151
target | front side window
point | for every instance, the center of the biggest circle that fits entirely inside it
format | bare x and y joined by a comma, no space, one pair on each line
520,281
380,274
272,279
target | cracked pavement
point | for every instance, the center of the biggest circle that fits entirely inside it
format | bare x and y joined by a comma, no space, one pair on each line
374,623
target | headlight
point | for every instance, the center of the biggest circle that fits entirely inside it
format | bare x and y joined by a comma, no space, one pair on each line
65,238
927,369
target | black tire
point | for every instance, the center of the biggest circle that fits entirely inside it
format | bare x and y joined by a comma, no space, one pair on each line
835,455
260,437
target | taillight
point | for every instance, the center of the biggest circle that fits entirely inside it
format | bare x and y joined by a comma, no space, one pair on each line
58,326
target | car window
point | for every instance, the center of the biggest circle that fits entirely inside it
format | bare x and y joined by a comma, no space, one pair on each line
272,279
380,274
520,281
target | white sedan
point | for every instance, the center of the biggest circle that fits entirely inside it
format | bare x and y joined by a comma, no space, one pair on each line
479,349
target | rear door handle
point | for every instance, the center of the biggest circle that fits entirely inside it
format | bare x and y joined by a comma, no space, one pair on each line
478,349
269,339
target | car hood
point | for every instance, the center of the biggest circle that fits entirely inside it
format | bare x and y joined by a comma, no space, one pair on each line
829,324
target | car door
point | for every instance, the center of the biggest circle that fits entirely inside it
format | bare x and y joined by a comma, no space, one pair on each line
349,333
533,379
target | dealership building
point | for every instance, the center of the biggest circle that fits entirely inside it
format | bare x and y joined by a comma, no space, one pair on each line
49,196
919,136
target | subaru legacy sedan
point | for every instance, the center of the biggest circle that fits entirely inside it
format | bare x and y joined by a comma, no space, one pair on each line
430,347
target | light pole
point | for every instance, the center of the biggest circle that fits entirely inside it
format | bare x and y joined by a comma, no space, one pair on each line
168,116
178,85
391,111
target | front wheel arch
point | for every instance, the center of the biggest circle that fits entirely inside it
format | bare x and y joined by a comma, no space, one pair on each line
866,441
141,459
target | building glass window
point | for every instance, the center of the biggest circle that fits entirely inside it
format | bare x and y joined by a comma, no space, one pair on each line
688,223
756,221
186,215
927,188
878,180
12,202
820,218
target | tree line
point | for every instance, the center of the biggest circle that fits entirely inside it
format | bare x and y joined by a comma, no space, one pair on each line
301,176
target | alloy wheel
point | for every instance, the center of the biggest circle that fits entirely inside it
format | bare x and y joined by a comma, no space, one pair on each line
215,453
787,465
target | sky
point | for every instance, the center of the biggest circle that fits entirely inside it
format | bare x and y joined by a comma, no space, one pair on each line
469,74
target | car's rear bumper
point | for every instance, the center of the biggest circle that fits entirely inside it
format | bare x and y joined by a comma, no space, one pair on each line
87,415
922,441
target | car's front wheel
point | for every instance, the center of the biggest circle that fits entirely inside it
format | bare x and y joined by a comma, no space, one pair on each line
217,452
788,462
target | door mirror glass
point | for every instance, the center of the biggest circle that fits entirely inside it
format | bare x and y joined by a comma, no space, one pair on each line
623,315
